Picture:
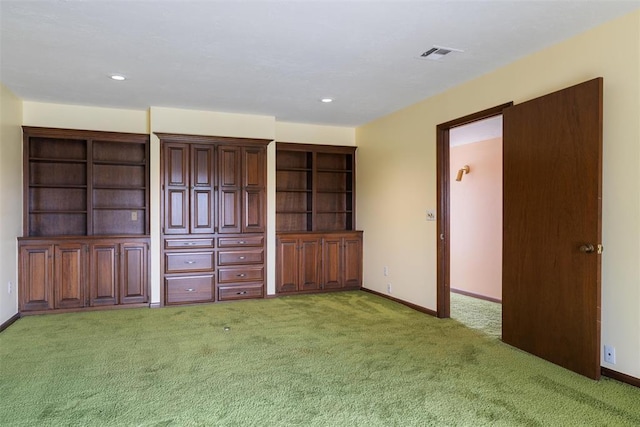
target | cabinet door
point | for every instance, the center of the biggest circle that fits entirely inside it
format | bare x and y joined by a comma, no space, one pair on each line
103,274
176,191
253,194
69,275
352,262
229,180
332,257
36,277
133,273
309,266
202,189
287,265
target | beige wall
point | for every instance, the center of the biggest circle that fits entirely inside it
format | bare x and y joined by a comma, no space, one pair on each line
476,218
11,200
315,134
397,174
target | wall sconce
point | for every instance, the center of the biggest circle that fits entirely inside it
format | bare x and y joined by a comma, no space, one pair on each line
465,169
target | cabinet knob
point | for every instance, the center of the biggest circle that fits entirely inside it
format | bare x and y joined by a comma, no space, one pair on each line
189,262
241,257
241,275
190,290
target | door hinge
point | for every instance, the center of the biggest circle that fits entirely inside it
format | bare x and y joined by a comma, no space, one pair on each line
600,249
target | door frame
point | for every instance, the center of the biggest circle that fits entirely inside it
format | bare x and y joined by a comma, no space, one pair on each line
443,223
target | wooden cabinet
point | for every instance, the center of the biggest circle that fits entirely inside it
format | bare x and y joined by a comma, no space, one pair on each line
80,272
315,188
79,183
214,217
318,261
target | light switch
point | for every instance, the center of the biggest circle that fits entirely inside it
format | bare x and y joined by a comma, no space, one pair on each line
431,215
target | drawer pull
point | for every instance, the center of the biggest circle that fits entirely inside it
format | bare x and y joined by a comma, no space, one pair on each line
190,290
241,293
190,243
241,257
189,262
241,275
241,242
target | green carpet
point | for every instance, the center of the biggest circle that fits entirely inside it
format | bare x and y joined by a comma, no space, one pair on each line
342,359
485,316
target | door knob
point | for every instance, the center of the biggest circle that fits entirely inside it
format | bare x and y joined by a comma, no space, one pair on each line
587,249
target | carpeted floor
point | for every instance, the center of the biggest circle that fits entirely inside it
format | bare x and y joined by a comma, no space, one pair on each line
474,313
341,359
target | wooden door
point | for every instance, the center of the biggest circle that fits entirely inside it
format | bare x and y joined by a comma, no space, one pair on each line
552,212
133,273
352,262
287,264
229,181
69,275
103,274
309,267
332,258
253,189
202,189
176,188
36,277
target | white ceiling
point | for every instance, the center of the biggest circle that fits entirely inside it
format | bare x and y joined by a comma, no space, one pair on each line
275,58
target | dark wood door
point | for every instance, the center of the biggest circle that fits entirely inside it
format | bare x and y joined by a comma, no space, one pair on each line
309,267
69,268
352,262
287,264
36,277
229,179
202,189
332,259
552,213
103,274
176,191
133,273
254,186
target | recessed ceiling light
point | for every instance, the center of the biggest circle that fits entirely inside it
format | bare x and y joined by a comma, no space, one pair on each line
118,77
326,100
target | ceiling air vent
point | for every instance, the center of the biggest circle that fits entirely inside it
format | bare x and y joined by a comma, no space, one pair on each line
436,53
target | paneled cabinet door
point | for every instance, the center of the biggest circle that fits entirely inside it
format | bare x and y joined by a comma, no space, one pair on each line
134,259
230,187
352,262
36,277
332,263
70,266
309,266
103,274
189,188
253,189
287,263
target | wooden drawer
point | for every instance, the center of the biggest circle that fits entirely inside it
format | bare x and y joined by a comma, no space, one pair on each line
255,256
226,293
181,290
191,261
243,241
241,274
188,243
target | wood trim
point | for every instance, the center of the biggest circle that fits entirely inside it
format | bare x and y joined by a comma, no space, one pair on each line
84,134
9,322
408,304
443,225
295,146
474,295
619,376
205,139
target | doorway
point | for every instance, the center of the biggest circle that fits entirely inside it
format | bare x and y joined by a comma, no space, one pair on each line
475,164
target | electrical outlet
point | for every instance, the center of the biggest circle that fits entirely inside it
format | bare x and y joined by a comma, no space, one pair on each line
385,270
610,354
134,216
388,288
9,286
